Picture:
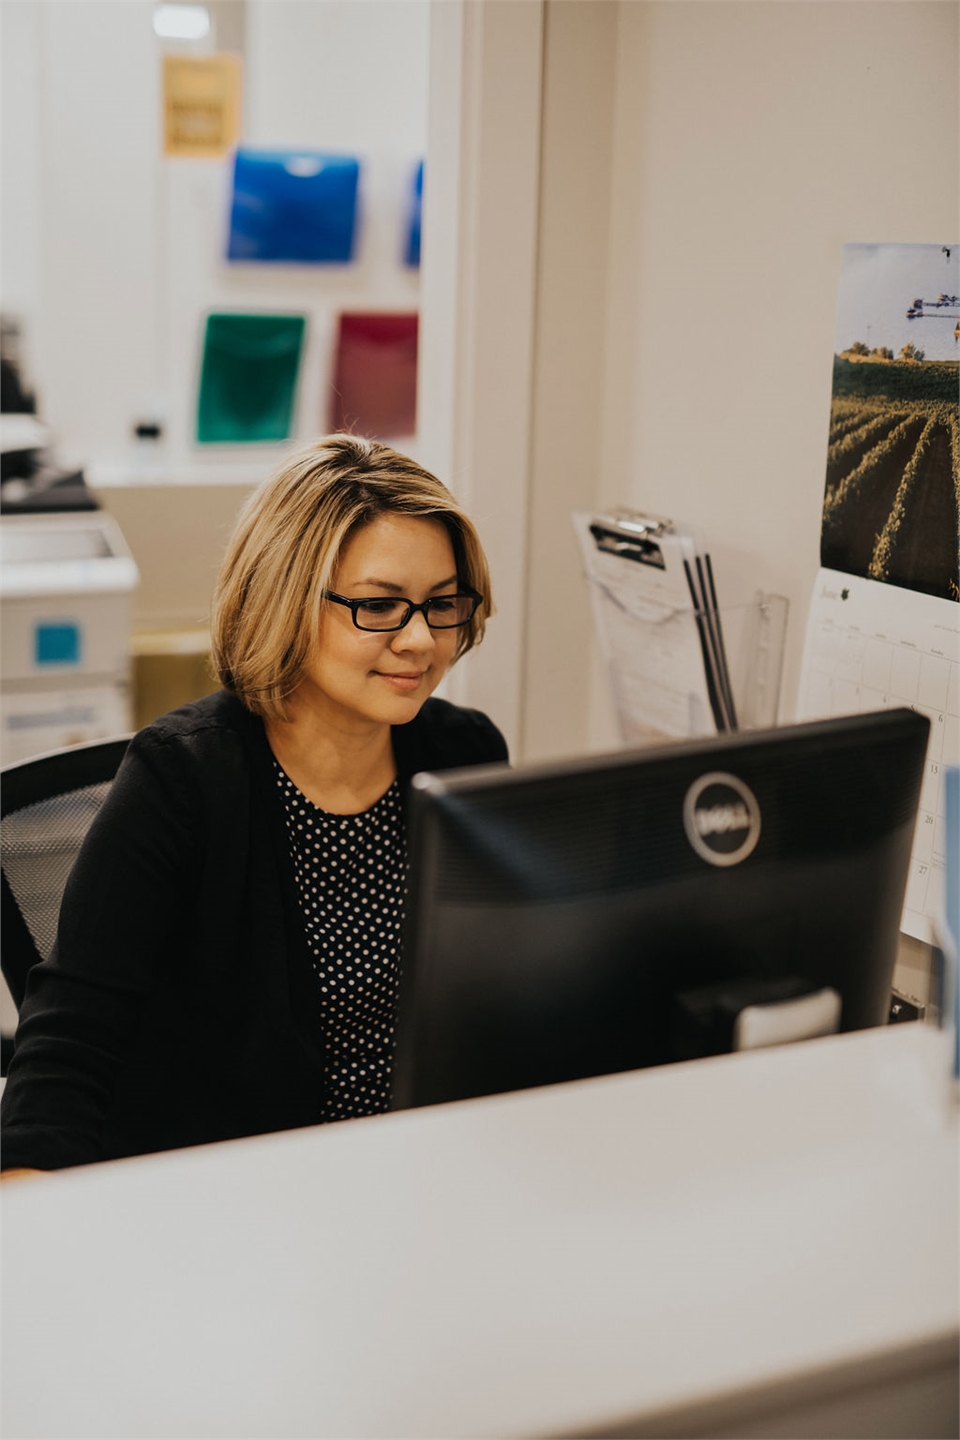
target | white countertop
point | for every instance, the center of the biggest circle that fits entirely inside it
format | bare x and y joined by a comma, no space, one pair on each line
149,465
541,1262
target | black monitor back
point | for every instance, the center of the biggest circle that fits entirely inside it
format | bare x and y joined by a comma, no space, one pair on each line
591,916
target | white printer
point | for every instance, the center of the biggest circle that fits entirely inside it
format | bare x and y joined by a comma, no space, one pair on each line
66,588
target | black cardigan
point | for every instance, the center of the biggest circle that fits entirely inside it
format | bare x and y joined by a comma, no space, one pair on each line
179,1005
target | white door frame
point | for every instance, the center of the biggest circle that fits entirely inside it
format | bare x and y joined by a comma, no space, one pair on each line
481,195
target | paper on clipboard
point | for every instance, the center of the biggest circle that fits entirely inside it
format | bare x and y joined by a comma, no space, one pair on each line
642,610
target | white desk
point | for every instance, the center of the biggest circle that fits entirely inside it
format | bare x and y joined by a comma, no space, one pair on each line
638,1251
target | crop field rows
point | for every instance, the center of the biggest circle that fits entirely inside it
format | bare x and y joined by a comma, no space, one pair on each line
892,504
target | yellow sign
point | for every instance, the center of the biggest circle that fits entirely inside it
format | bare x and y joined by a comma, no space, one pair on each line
201,102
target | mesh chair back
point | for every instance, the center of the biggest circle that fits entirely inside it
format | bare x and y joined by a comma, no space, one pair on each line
47,805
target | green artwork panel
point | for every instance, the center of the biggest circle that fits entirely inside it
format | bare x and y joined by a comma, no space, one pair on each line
248,382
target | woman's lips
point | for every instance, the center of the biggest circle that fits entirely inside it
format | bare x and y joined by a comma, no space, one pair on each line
403,682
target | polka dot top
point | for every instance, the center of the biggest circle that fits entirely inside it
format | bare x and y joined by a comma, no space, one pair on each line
351,877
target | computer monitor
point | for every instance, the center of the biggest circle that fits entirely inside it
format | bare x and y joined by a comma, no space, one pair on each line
619,911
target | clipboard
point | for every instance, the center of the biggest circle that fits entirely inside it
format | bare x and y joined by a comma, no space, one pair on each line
661,630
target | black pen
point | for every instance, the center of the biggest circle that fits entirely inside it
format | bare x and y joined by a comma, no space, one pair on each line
715,705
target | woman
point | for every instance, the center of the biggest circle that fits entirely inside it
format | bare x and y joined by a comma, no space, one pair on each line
228,953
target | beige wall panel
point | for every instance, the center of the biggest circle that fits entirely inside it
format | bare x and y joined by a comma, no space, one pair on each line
178,534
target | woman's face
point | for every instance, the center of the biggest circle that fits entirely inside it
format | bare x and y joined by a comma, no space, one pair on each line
356,678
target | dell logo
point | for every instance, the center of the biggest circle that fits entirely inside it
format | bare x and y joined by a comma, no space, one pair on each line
722,818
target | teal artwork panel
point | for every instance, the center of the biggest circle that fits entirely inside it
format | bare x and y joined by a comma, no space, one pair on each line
248,380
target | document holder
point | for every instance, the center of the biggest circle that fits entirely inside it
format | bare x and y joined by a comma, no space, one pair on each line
679,664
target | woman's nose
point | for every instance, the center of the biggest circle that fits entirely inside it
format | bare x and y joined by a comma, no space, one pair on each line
415,635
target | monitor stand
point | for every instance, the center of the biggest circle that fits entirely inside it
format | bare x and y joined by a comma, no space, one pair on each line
916,975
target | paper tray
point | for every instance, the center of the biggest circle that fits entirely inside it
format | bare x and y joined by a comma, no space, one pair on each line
656,670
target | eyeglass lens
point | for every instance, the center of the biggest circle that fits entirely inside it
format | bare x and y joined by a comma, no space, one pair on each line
443,612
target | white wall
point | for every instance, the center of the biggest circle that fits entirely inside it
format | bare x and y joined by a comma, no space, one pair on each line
19,150
331,74
80,245
131,244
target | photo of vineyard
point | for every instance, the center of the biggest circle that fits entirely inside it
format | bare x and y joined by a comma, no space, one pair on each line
891,509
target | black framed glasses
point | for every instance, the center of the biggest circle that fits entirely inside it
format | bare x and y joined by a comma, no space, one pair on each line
392,612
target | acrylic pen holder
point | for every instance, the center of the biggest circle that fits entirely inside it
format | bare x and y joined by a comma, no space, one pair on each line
677,674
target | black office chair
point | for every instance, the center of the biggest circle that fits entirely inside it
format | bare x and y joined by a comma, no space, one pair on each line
47,805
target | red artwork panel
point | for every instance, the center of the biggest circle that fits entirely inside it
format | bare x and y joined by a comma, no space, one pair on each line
374,386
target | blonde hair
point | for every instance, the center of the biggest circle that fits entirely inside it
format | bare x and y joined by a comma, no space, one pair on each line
285,549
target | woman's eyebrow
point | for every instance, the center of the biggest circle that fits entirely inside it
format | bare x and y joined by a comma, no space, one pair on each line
396,589
380,585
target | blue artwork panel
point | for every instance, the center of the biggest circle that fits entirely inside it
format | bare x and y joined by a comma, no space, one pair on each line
294,205
411,254
56,642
